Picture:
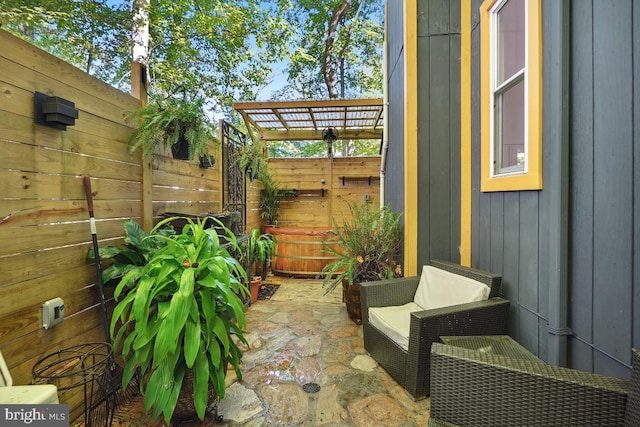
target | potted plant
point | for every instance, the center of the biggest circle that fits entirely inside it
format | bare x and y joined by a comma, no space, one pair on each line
271,195
178,123
259,248
176,318
368,246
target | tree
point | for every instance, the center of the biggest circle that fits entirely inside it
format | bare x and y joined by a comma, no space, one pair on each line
216,49
89,34
339,43
338,53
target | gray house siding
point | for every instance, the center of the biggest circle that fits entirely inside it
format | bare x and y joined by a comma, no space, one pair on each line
575,243
604,185
394,177
568,253
506,231
438,171
438,124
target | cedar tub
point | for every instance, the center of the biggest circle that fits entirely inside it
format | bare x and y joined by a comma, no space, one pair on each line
302,251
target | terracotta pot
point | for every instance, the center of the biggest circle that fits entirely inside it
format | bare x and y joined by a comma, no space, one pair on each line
255,288
351,297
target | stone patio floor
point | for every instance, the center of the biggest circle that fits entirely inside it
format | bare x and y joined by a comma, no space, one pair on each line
302,336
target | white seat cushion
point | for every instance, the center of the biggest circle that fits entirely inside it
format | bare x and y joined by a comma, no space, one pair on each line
394,321
439,288
29,394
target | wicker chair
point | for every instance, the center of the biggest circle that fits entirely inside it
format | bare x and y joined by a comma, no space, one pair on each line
410,368
473,388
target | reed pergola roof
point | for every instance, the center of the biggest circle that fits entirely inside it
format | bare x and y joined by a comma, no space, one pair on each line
306,120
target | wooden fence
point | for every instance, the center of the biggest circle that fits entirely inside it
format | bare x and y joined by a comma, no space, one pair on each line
44,227
325,187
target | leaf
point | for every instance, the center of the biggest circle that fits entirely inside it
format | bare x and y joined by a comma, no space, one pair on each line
201,384
154,390
221,333
191,342
175,393
128,372
120,311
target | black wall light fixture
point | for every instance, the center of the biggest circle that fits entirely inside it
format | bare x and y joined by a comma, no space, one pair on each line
54,111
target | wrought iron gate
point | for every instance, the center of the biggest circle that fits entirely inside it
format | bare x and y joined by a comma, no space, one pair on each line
234,199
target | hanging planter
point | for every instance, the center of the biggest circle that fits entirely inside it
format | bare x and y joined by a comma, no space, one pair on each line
177,123
180,149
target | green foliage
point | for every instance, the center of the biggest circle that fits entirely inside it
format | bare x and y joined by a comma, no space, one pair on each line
260,247
341,148
164,120
226,48
133,256
92,35
251,159
368,247
218,49
358,40
271,195
179,312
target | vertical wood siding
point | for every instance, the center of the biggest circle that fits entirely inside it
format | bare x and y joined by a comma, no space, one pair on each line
515,233
438,171
507,235
604,179
519,234
394,178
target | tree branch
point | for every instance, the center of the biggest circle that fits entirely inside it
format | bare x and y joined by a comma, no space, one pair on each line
328,65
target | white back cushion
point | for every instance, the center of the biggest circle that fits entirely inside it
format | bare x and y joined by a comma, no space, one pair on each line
440,288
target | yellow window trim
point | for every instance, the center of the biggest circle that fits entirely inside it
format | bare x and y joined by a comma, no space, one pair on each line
532,179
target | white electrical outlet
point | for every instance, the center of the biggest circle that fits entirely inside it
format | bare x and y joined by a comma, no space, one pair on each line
52,312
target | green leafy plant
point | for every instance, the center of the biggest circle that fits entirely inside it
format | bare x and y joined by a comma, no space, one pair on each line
165,120
251,159
367,249
134,255
260,247
271,195
180,312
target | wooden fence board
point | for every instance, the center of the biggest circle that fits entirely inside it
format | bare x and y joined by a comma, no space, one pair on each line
30,186
25,157
191,208
46,237
164,179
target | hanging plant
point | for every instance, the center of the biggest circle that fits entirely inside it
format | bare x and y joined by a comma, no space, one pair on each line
178,123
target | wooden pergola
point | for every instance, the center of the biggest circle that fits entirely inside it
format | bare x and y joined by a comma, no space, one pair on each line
307,120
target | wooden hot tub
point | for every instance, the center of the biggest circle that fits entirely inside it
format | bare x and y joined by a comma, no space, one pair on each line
301,251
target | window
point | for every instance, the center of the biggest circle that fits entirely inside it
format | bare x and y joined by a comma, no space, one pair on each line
511,95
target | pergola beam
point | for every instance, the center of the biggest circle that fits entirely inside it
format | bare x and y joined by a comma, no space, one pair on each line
306,120
316,135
